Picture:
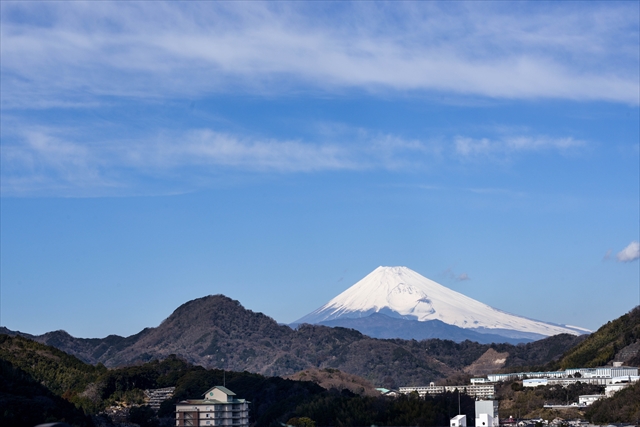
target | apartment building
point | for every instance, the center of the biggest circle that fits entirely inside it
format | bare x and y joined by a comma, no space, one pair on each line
219,407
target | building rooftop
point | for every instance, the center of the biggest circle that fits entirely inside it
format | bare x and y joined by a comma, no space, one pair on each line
222,389
210,402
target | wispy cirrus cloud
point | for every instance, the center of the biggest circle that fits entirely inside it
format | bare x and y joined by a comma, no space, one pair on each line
36,158
474,147
70,53
49,159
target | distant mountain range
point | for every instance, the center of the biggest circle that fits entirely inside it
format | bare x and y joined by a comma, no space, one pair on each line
378,325
217,332
397,302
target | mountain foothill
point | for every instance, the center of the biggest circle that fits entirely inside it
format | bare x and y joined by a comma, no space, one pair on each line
217,332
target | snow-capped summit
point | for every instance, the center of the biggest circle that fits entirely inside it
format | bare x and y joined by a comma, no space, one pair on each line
402,293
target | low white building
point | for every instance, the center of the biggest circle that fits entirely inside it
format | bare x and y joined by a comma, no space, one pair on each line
218,408
534,382
459,421
619,383
625,380
588,399
602,375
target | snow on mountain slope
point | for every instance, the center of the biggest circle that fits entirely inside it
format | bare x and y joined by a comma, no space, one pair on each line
401,292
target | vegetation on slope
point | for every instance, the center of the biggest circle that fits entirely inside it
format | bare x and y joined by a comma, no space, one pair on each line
35,375
58,381
602,346
347,409
623,406
60,373
26,402
528,402
332,378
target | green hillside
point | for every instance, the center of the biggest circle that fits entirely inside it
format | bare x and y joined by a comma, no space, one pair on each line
602,346
61,374
624,406
26,402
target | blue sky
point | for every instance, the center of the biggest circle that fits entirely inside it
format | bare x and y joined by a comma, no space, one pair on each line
277,153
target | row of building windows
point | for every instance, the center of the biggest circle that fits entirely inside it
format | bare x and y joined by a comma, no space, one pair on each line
601,372
483,391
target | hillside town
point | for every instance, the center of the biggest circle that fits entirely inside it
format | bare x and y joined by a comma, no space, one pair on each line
612,379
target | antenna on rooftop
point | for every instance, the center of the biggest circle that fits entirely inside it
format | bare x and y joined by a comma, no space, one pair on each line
224,375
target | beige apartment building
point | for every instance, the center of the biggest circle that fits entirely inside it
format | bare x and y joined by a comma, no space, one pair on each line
218,408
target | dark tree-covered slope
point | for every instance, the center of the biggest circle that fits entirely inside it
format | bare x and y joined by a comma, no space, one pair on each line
622,407
24,401
47,387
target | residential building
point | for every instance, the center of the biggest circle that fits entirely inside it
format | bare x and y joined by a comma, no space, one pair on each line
483,391
219,407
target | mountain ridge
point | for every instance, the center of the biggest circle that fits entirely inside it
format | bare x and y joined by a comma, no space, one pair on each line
378,325
217,332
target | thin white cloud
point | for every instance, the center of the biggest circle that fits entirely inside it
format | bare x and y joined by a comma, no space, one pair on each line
630,253
43,158
191,49
37,158
207,147
46,159
467,147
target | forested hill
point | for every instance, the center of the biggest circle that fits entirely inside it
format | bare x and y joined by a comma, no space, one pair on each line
217,332
33,380
39,384
617,340
62,387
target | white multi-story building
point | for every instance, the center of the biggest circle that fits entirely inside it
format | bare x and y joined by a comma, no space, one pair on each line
534,382
487,413
601,375
218,408
482,391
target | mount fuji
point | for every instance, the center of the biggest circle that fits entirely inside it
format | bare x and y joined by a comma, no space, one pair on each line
397,302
